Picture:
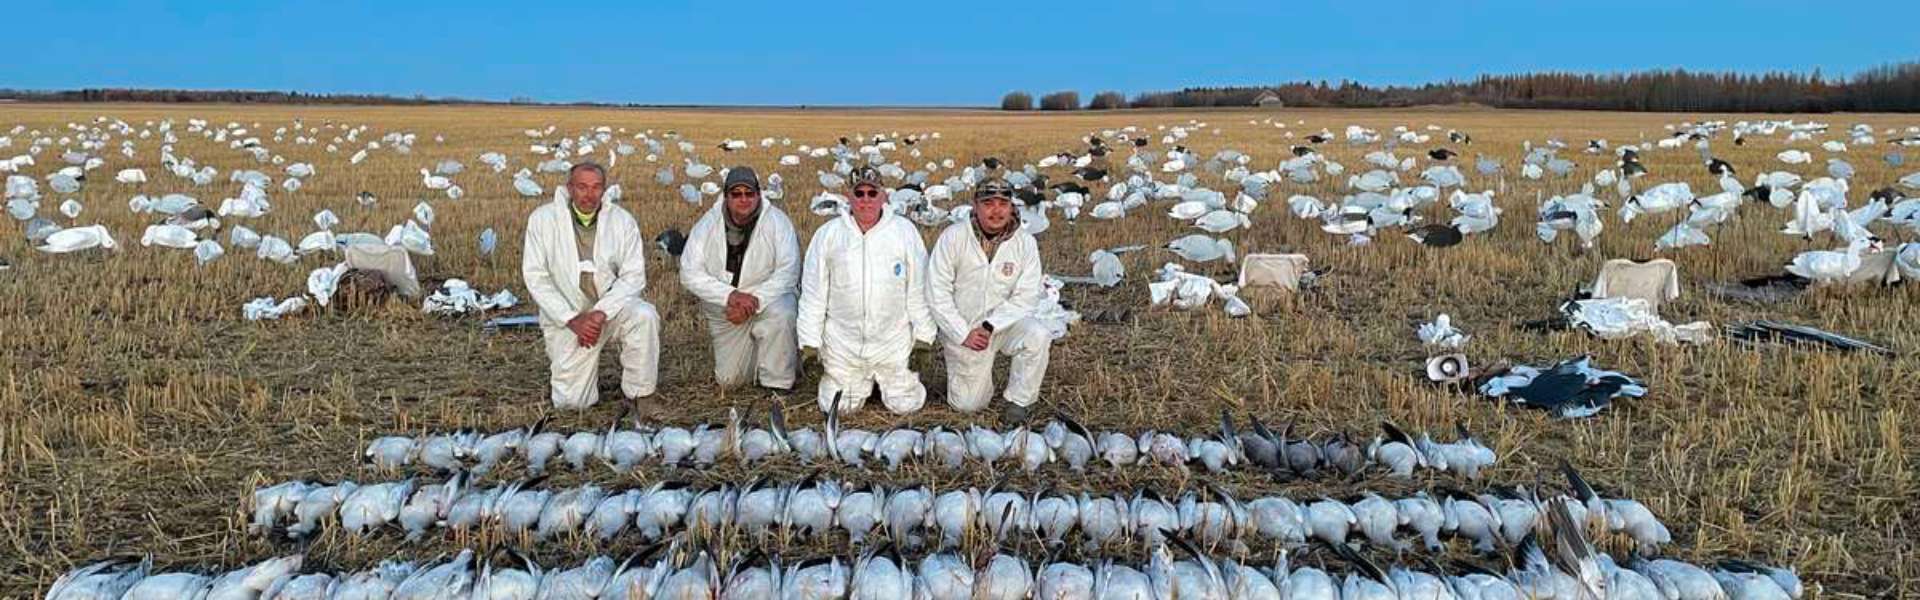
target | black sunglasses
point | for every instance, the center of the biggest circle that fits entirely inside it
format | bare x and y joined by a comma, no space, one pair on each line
742,194
866,193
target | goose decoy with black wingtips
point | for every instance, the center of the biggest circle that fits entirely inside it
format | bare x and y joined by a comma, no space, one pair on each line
1436,235
1716,166
1316,138
1442,154
1396,451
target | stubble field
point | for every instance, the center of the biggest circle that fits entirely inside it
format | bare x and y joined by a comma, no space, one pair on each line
138,409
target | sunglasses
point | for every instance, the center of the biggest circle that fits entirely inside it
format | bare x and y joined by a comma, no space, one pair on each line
866,193
742,194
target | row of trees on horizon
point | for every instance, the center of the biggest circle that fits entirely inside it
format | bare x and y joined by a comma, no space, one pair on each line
1889,88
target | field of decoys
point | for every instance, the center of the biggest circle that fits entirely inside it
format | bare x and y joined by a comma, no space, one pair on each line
202,401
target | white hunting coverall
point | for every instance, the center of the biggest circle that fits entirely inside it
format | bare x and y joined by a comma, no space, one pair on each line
965,289
770,272
552,267
863,303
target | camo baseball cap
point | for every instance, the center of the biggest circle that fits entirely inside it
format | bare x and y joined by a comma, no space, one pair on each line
866,176
993,188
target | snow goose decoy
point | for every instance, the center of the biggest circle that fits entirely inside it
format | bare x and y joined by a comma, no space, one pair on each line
1823,266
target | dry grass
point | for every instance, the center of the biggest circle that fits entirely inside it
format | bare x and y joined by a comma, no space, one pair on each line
137,409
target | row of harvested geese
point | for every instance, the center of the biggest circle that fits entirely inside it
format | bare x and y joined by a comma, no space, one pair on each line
1060,441
1559,563
908,515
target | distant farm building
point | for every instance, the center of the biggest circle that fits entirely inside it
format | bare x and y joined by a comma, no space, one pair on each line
1268,99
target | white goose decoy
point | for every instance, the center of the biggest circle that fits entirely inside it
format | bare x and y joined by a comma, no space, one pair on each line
1305,207
1202,248
77,239
527,187
697,170
1808,217
1222,221
1681,235
1658,199
169,236
1823,266
434,182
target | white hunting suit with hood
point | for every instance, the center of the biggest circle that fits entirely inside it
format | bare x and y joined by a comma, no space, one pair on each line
762,347
553,269
863,303
966,288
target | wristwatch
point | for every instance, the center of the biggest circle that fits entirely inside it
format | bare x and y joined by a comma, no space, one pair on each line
987,325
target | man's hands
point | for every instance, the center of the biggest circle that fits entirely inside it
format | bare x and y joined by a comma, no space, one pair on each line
977,339
586,327
741,307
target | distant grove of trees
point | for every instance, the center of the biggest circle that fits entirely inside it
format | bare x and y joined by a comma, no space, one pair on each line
1107,101
1889,88
1016,101
1064,100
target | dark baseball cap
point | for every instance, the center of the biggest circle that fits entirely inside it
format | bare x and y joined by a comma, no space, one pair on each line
742,176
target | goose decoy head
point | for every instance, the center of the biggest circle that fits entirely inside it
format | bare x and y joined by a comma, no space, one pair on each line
671,241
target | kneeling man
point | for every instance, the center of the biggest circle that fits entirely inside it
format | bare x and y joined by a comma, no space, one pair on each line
585,267
983,284
742,262
863,303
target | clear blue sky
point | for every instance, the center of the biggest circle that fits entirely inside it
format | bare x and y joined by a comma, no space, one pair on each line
906,52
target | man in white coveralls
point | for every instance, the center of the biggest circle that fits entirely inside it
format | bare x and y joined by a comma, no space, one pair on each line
584,266
863,304
983,283
742,261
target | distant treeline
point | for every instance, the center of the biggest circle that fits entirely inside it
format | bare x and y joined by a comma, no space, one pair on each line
1890,88
227,96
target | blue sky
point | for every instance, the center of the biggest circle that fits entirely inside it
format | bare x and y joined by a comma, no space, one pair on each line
906,52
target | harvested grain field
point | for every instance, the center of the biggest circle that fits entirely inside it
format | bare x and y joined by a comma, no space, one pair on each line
139,410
